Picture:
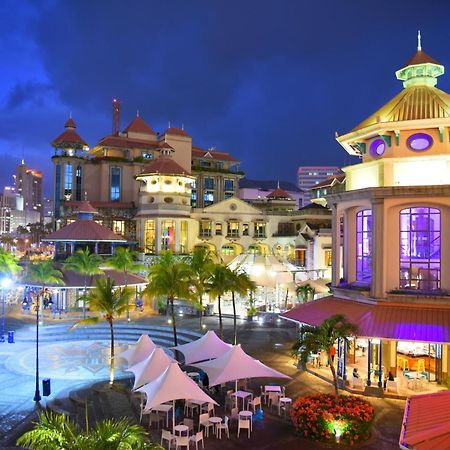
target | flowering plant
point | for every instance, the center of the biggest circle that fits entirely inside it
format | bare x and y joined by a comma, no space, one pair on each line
325,417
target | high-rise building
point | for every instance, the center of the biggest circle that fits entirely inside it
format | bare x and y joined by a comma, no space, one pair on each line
29,187
310,176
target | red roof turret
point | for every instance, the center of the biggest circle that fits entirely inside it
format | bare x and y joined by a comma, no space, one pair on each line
69,138
138,125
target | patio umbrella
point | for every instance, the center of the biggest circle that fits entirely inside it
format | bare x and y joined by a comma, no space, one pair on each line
209,346
235,365
140,351
319,285
173,384
151,367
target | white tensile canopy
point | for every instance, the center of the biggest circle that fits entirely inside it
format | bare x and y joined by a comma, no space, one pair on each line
151,367
235,365
173,384
319,285
143,348
209,346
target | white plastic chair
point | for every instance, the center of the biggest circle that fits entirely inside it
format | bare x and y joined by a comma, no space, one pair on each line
274,399
244,424
256,402
203,421
190,408
189,423
223,426
181,441
155,417
196,438
167,436
234,414
391,386
209,407
357,383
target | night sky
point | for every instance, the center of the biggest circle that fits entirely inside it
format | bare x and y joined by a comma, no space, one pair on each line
268,81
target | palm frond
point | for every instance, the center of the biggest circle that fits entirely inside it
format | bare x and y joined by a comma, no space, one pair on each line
87,321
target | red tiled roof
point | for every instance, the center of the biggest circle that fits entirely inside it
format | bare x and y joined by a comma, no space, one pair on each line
69,137
164,164
165,145
84,231
410,323
198,152
123,142
70,123
138,125
176,131
420,57
329,181
279,193
85,207
426,422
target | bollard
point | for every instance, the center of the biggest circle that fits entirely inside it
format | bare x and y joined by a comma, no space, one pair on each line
10,337
46,387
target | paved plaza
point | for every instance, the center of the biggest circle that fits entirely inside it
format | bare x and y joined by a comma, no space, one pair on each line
75,362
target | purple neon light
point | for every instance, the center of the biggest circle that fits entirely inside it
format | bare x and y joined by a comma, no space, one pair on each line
364,246
420,142
420,248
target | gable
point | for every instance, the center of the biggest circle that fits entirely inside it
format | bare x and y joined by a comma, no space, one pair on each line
233,205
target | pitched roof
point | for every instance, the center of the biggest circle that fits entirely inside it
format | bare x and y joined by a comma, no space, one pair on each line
268,185
176,132
279,193
164,165
84,231
198,152
330,181
86,207
70,123
124,142
138,125
420,57
426,422
413,103
69,138
314,206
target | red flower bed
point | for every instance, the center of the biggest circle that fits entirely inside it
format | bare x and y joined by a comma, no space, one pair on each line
324,417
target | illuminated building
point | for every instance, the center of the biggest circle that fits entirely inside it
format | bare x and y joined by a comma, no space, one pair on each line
391,239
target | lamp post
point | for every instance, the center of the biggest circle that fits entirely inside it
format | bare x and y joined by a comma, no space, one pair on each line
37,394
6,282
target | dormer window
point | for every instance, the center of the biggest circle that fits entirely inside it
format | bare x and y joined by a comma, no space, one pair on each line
377,148
420,142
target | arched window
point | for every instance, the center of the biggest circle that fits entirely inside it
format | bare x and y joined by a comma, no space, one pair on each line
364,246
420,248
78,178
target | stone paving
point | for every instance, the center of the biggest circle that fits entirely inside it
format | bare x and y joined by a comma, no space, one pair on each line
269,343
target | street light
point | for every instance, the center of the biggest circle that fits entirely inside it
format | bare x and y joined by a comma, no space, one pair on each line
6,282
37,394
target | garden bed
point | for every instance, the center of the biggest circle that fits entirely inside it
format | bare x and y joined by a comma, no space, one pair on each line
324,417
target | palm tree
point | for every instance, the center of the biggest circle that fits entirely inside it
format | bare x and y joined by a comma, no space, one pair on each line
124,260
305,292
87,264
8,267
201,265
110,303
170,277
239,283
44,273
322,338
57,431
218,284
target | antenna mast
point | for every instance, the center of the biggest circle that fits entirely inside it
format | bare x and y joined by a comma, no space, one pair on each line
116,116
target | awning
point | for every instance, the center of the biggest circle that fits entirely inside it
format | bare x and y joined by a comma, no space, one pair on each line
399,322
426,422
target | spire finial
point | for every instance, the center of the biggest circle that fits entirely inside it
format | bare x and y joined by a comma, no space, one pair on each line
85,195
137,113
278,184
169,123
419,41
182,126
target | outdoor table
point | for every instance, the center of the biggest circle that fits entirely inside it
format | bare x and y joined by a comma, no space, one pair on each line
164,409
247,415
197,402
215,421
180,429
283,402
243,395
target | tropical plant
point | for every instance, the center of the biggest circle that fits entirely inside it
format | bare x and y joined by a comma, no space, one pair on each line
9,263
201,266
170,277
306,292
124,260
87,264
7,240
239,283
110,303
58,431
44,273
322,338
218,284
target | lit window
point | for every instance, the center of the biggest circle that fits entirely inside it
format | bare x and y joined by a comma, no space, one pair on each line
260,230
328,259
68,180
208,198
377,148
420,248
419,142
229,250
364,245
119,227
205,228
228,195
208,183
150,236
245,229
115,184
218,229
78,180
146,155
168,235
233,229
229,185
194,198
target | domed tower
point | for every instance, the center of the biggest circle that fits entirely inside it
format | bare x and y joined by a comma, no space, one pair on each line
163,218
68,163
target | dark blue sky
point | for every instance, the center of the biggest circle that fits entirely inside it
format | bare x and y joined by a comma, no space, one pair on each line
268,81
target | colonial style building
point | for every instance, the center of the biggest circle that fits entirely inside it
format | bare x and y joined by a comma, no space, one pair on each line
391,237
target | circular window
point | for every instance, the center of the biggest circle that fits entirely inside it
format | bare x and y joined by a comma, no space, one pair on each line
377,147
168,199
154,181
151,199
168,181
233,207
420,142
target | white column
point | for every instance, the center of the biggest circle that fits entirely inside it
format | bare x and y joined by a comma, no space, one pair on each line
378,251
177,235
157,236
336,244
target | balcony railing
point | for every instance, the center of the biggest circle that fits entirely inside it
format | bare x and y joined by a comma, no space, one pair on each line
259,235
205,234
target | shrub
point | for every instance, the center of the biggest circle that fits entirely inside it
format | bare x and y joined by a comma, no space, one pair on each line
323,417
